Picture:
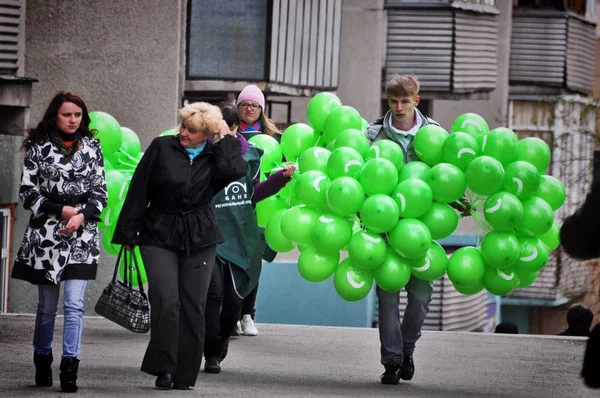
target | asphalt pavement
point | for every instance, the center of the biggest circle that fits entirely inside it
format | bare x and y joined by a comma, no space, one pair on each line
309,361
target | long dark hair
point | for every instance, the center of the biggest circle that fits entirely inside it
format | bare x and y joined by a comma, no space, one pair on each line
48,124
230,114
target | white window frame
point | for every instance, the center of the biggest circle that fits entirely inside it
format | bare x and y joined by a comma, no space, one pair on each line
4,260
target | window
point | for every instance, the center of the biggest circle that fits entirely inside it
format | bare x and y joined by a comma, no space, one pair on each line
575,6
228,41
4,246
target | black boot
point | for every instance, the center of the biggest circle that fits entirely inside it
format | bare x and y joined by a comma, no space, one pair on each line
68,374
43,371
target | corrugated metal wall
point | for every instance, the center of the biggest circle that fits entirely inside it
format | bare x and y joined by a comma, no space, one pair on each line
10,16
475,48
581,51
305,42
451,310
451,50
538,49
420,41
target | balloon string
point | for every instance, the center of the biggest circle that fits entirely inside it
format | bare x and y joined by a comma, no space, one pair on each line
127,164
129,156
318,139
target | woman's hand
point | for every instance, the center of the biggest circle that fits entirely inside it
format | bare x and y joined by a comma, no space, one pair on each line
225,130
289,170
68,212
73,225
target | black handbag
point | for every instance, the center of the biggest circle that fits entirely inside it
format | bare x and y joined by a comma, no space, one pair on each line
120,302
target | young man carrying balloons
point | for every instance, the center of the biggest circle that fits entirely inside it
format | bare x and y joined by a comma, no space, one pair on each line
398,340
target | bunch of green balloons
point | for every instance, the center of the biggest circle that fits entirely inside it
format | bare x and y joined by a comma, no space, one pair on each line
121,150
352,196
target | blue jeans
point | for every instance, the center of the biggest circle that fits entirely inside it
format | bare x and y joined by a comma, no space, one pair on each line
46,317
399,339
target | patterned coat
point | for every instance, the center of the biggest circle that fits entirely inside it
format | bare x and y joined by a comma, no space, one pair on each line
47,256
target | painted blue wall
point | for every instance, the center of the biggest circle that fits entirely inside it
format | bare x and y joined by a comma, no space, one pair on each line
284,297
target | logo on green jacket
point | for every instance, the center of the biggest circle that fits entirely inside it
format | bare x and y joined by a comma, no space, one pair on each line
235,194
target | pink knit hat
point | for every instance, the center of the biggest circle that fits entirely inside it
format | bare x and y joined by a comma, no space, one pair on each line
251,93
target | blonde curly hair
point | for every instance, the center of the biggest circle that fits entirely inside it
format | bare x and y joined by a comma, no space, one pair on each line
201,116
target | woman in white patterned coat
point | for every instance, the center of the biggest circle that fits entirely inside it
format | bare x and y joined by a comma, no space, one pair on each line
63,184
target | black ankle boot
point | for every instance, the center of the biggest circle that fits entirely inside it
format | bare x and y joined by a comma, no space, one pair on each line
43,371
68,374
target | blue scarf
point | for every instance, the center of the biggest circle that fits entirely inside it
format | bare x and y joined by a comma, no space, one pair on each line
244,127
193,152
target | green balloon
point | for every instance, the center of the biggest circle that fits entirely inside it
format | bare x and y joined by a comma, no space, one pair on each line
344,162
267,207
378,176
314,158
551,238
352,283
521,179
297,223
526,279
503,211
499,282
288,194
418,170
110,215
460,149
538,216
296,139
331,233
379,213
533,254
413,197
114,183
311,188
500,143
485,175
130,143
367,250
317,266
387,149
108,165
432,266
447,182
108,133
552,190
345,196
500,249
330,146
274,236
340,119
272,156
472,124
134,273
469,291
441,220
110,247
355,139
428,143
319,107
365,125
168,132
535,151
410,238
393,274
466,267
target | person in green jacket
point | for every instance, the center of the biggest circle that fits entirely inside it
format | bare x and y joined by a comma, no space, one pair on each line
239,258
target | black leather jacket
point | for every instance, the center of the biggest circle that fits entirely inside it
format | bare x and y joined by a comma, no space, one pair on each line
168,204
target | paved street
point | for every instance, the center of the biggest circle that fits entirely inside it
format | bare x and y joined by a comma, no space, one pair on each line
302,361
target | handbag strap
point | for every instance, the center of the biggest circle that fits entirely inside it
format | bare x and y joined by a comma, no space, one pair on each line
114,278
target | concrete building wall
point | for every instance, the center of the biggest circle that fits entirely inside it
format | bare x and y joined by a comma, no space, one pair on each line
124,58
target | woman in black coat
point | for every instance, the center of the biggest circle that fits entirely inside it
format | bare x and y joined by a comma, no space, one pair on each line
168,213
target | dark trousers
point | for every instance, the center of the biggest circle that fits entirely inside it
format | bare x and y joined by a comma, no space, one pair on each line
223,310
178,284
250,303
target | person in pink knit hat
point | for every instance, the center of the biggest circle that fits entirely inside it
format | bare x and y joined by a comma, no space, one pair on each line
251,107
